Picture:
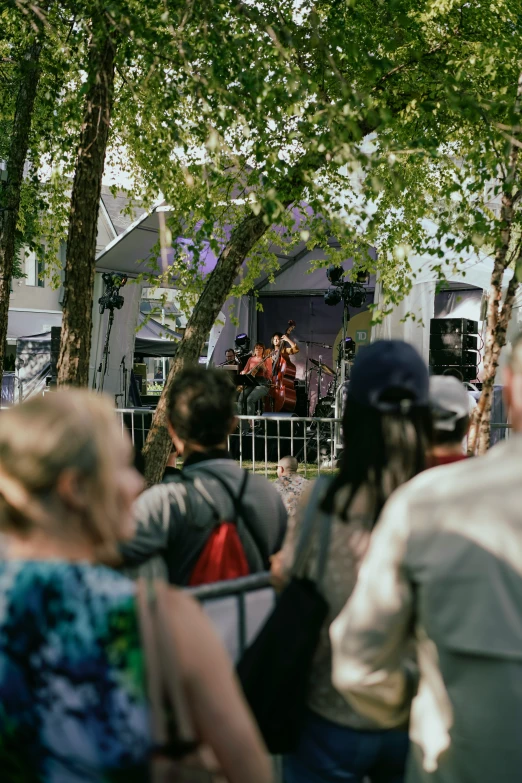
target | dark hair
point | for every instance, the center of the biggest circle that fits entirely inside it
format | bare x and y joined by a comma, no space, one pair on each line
229,350
276,334
381,452
456,435
262,345
201,405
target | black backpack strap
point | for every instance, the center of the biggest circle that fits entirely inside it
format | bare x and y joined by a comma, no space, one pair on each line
238,506
236,500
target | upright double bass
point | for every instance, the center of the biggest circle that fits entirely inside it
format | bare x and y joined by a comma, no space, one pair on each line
281,396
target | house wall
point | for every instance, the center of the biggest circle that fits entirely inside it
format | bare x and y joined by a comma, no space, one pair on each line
27,294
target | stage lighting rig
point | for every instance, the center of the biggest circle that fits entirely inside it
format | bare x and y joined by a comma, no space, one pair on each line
352,294
242,342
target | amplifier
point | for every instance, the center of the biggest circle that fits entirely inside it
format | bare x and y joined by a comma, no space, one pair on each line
450,357
454,342
464,372
453,326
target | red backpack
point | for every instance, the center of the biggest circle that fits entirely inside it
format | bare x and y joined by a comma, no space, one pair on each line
223,556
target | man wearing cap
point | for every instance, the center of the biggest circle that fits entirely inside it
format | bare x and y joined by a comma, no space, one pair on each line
450,407
444,572
289,484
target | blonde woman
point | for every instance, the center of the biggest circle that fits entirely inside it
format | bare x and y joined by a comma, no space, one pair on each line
73,704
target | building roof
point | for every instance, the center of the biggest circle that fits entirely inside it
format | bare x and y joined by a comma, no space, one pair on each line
116,206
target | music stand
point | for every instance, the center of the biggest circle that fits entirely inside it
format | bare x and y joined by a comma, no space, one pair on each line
233,373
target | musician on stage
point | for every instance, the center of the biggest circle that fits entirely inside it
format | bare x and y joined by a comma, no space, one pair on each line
230,357
262,375
289,348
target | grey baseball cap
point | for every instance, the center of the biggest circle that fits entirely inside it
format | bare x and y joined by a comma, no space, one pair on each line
449,402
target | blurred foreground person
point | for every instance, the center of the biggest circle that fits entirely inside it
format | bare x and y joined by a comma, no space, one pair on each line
450,410
73,701
386,427
445,569
176,520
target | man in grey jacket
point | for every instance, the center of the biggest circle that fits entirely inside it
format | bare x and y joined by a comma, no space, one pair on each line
175,520
444,573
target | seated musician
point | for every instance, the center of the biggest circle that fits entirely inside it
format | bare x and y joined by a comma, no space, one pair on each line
261,371
289,346
230,357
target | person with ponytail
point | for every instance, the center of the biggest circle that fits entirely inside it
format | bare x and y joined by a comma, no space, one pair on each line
386,432
73,698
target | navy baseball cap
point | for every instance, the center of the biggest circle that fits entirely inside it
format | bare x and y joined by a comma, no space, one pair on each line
390,376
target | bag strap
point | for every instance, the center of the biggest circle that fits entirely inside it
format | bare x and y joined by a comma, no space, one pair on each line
238,505
237,500
162,671
200,487
240,510
314,518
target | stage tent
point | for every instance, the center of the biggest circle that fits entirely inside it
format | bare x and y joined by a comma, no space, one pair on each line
464,296
33,354
297,292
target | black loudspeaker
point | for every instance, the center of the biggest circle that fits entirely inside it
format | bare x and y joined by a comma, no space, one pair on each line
301,402
453,326
452,356
464,372
56,332
453,342
453,347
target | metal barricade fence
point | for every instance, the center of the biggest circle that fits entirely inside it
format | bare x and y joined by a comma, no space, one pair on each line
238,608
260,441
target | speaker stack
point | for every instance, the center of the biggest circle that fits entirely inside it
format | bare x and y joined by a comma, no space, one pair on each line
454,348
55,354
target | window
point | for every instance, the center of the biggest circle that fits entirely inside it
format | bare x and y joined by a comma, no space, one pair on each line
34,270
31,268
40,274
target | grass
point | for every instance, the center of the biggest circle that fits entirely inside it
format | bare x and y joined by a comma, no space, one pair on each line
271,473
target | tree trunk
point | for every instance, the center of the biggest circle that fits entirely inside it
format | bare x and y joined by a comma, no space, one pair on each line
215,293
10,203
498,313
75,343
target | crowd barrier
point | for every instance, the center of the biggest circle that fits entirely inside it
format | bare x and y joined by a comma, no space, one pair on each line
238,608
259,441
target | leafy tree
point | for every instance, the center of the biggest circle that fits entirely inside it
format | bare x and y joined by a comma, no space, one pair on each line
278,117
24,58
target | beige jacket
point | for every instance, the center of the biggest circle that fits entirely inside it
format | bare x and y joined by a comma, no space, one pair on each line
444,568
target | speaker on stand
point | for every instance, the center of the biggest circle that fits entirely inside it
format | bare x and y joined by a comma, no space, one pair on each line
454,348
56,332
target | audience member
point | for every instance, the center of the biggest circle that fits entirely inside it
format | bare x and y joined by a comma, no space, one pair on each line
72,691
386,425
444,572
450,408
290,484
176,519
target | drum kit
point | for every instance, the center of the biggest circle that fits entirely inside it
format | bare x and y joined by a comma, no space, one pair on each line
324,407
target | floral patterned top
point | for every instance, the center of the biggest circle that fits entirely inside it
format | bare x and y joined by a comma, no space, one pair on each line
72,689
291,486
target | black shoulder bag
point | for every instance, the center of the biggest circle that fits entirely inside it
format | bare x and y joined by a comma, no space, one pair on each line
274,671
